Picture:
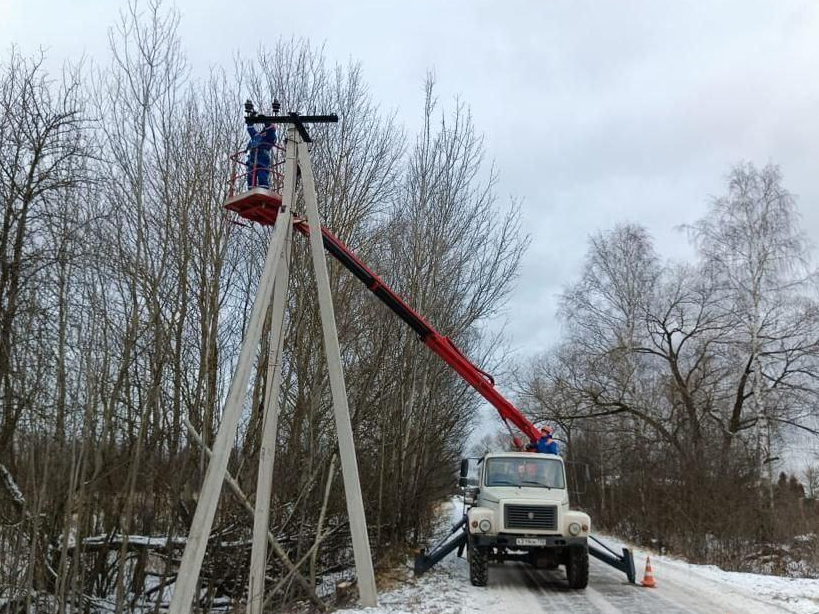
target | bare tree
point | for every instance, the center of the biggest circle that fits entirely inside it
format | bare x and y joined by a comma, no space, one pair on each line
811,476
43,142
125,292
681,364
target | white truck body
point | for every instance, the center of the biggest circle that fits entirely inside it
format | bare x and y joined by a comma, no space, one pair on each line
520,511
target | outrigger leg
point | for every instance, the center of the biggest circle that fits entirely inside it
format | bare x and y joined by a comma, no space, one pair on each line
623,562
456,539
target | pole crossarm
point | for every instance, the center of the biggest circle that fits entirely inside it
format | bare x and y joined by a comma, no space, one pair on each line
298,121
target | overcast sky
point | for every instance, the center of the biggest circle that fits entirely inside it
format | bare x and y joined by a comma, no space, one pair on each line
594,112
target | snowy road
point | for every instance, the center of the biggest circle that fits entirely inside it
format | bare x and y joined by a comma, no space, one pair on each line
608,593
516,588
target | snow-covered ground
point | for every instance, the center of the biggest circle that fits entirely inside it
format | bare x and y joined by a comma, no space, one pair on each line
682,588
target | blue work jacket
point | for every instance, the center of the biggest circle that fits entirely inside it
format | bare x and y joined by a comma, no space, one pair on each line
260,144
547,447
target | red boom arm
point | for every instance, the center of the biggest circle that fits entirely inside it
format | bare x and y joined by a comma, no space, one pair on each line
442,346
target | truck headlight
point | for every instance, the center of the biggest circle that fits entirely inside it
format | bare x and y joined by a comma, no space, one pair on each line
484,525
574,528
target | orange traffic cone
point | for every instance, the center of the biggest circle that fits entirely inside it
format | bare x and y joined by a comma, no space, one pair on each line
648,579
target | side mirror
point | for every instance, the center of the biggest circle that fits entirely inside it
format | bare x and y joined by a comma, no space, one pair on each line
462,481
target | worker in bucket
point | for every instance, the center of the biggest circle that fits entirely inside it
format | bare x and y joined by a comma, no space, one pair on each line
258,150
544,445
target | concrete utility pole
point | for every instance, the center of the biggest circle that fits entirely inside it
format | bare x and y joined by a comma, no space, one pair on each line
274,282
270,419
346,446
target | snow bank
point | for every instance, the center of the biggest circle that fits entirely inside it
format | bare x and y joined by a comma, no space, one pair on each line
798,595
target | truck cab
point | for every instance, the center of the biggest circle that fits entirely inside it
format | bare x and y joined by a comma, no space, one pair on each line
519,511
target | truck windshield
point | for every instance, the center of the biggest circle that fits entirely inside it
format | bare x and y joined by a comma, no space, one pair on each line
531,472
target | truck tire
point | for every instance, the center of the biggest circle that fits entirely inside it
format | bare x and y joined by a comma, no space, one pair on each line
577,566
478,566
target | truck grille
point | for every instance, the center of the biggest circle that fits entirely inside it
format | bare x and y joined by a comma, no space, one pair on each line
542,517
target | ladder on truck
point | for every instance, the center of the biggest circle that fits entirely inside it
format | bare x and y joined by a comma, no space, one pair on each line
264,206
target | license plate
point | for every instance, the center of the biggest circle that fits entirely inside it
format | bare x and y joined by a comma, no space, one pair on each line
530,541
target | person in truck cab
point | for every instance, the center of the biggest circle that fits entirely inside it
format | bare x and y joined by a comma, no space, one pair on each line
544,445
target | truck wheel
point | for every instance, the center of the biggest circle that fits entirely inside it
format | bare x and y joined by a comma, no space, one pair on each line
577,567
478,566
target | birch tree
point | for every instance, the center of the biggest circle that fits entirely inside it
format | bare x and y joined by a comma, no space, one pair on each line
754,250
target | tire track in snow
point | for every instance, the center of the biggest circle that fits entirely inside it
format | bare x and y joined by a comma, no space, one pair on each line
607,593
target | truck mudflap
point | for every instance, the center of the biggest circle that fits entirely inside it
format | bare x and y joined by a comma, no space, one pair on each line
623,562
456,539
